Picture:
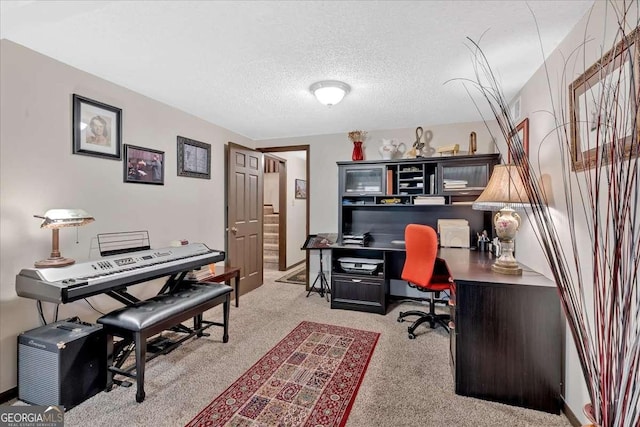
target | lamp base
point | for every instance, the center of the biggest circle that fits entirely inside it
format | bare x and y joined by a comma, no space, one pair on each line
54,262
513,270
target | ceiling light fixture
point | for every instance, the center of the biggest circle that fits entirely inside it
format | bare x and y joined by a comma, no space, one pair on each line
329,92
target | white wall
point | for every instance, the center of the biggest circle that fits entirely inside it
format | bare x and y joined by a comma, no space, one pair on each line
38,172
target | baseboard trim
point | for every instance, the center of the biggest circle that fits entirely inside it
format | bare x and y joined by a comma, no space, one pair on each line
6,396
570,415
294,265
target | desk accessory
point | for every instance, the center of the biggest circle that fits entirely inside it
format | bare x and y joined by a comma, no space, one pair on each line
454,233
363,239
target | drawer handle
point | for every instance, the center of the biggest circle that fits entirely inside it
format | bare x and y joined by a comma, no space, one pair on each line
452,325
356,280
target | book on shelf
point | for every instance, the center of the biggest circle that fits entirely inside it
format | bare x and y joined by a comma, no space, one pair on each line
389,182
465,188
454,183
432,200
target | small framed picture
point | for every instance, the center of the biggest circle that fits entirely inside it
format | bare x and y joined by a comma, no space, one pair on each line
97,128
143,165
301,189
194,158
519,145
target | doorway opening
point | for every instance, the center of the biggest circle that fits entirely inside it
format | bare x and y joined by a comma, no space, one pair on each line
286,206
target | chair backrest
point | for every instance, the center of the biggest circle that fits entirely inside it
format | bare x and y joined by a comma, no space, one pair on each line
421,243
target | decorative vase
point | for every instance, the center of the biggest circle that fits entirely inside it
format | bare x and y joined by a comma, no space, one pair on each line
589,413
388,149
357,151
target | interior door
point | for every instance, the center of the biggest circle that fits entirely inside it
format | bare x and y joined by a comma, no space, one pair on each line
245,215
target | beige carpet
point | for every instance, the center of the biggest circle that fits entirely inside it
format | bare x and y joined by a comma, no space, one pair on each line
407,383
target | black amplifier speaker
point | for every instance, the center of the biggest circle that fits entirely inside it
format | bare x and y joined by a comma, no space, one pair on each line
62,363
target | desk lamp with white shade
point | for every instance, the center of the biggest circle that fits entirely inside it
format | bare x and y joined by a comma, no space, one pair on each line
504,193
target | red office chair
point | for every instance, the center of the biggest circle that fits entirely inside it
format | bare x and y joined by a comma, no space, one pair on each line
426,272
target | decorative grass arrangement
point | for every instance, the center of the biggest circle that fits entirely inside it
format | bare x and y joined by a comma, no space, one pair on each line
591,235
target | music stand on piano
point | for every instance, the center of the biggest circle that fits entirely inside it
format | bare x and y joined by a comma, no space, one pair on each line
319,242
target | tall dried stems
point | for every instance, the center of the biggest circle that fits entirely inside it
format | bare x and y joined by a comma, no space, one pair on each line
598,284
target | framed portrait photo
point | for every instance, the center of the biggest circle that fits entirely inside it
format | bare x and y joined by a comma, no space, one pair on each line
194,158
601,107
143,165
301,189
97,128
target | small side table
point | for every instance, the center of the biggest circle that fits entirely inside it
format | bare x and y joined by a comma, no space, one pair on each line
225,276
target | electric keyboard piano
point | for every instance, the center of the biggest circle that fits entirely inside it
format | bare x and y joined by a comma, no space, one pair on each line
113,273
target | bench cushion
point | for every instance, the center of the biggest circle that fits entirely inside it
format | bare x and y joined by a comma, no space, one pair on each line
148,313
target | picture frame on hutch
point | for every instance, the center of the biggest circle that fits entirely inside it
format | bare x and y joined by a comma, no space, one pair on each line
599,105
194,158
97,128
143,165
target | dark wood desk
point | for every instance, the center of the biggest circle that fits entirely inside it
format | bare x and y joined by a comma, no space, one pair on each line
225,274
506,335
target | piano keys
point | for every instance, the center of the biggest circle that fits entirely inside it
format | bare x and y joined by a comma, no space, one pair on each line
81,280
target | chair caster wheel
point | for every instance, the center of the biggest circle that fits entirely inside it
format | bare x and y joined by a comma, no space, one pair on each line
400,319
411,336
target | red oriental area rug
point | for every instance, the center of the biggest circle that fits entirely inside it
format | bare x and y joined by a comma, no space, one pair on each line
310,378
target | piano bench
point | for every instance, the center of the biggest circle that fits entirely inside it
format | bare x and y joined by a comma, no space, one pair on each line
146,318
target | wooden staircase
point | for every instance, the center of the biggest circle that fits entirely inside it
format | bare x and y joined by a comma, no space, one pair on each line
270,238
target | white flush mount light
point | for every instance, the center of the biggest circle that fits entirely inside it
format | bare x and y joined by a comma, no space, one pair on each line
329,92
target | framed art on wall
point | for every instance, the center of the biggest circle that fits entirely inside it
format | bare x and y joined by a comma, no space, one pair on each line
601,106
97,128
143,165
301,189
194,158
522,131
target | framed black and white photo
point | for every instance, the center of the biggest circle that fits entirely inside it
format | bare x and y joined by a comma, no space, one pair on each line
143,165
97,128
194,158
301,189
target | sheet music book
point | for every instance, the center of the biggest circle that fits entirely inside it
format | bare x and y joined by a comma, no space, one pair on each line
319,241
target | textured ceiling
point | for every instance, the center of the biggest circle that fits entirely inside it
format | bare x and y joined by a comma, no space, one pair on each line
247,66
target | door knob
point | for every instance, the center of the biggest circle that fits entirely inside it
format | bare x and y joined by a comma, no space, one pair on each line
234,230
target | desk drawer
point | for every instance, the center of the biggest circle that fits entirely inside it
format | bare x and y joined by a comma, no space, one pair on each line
366,293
